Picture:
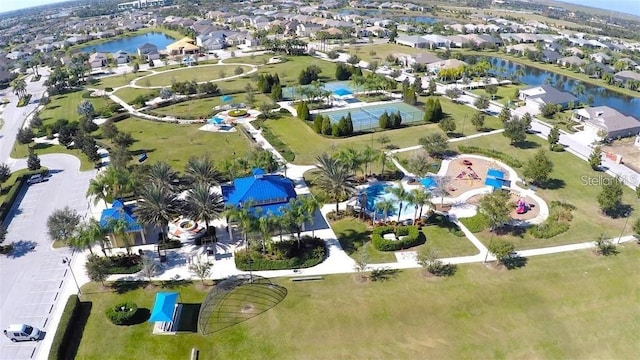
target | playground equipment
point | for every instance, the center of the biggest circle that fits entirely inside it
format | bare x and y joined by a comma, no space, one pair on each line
521,207
469,174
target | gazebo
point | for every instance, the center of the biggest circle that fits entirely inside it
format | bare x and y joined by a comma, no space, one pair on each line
121,212
267,192
165,313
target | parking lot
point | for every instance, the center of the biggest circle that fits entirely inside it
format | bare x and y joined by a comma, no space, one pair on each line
34,277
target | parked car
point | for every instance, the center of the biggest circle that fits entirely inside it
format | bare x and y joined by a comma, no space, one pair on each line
34,179
22,332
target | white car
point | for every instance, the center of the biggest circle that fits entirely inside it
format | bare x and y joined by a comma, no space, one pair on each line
22,332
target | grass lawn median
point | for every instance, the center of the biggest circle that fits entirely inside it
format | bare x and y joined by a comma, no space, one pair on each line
571,305
201,108
569,174
307,145
355,237
175,144
379,52
21,151
128,94
251,59
118,80
65,106
504,95
198,73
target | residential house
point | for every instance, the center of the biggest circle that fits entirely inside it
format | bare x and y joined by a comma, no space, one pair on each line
520,48
445,64
536,96
574,51
183,46
307,29
626,75
98,60
437,41
423,58
605,120
551,57
148,51
459,41
121,57
571,61
600,57
411,41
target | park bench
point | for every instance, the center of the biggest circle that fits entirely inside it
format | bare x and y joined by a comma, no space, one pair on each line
307,278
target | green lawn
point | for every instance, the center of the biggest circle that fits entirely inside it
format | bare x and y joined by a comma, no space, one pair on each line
352,234
447,244
307,145
175,144
128,94
118,80
198,73
379,52
21,151
572,306
7,185
201,108
251,59
66,106
504,94
569,175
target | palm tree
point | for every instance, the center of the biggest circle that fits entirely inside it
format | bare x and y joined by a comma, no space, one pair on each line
295,215
87,235
384,206
311,205
335,179
202,204
98,189
402,195
245,217
350,158
369,155
267,225
157,206
163,175
19,87
201,169
419,198
117,227
118,182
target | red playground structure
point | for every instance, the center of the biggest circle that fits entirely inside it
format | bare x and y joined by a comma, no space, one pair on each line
521,207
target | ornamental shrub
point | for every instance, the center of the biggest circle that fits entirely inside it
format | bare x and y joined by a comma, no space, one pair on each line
122,313
407,236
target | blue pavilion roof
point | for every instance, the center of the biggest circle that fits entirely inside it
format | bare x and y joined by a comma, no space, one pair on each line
270,192
120,211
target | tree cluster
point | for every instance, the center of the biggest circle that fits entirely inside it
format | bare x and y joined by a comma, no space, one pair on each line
433,111
309,74
390,121
344,126
266,82
192,87
344,71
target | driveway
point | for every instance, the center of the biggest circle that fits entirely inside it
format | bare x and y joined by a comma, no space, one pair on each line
33,278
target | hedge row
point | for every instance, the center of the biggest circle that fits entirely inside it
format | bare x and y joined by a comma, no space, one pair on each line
61,339
476,223
411,237
507,159
286,255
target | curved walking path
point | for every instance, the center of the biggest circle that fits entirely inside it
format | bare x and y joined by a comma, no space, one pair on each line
133,83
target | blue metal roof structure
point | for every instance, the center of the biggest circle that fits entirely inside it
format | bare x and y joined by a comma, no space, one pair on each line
268,192
120,211
494,173
164,307
494,183
342,92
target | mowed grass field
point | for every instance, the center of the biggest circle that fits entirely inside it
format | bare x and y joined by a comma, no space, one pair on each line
198,73
307,145
568,175
118,80
566,306
66,106
204,107
175,144
379,52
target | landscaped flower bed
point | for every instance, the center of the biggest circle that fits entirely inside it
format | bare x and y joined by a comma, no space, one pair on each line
406,237
238,113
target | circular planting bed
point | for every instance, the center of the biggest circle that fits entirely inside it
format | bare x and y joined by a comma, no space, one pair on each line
122,314
238,113
187,225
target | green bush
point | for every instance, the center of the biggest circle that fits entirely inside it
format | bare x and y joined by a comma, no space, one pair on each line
476,223
170,244
12,194
120,264
558,222
285,255
507,159
24,101
65,327
122,313
411,237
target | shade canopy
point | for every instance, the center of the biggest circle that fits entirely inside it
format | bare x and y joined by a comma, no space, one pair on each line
164,307
342,92
226,98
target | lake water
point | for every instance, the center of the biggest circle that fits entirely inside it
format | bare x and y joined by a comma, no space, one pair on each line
627,105
130,44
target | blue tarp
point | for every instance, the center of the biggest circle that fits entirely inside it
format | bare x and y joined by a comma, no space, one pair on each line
164,306
495,174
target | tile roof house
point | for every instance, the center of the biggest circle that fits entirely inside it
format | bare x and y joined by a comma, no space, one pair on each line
121,57
627,75
539,95
412,41
267,192
571,61
603,119
147,51
98,60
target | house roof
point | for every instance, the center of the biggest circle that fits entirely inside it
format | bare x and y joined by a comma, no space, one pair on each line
120,211
627,74
267,191
426,58
185,43
147,46
608,119
548,94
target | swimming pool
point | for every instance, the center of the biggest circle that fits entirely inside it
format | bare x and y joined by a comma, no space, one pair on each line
377,193
429,182
367,117
215,120
340,88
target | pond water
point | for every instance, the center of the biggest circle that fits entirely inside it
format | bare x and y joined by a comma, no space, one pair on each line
418,19
130,44
627,105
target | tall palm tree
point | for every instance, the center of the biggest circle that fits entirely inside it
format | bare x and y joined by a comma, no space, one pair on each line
402,195
267,225
19,87
98,189
87,235
310,205
117,227
335,179
119,182
202,204
157,206
201,169
295,215
369,155
351,158
163,175
384,206
419,198
245,217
